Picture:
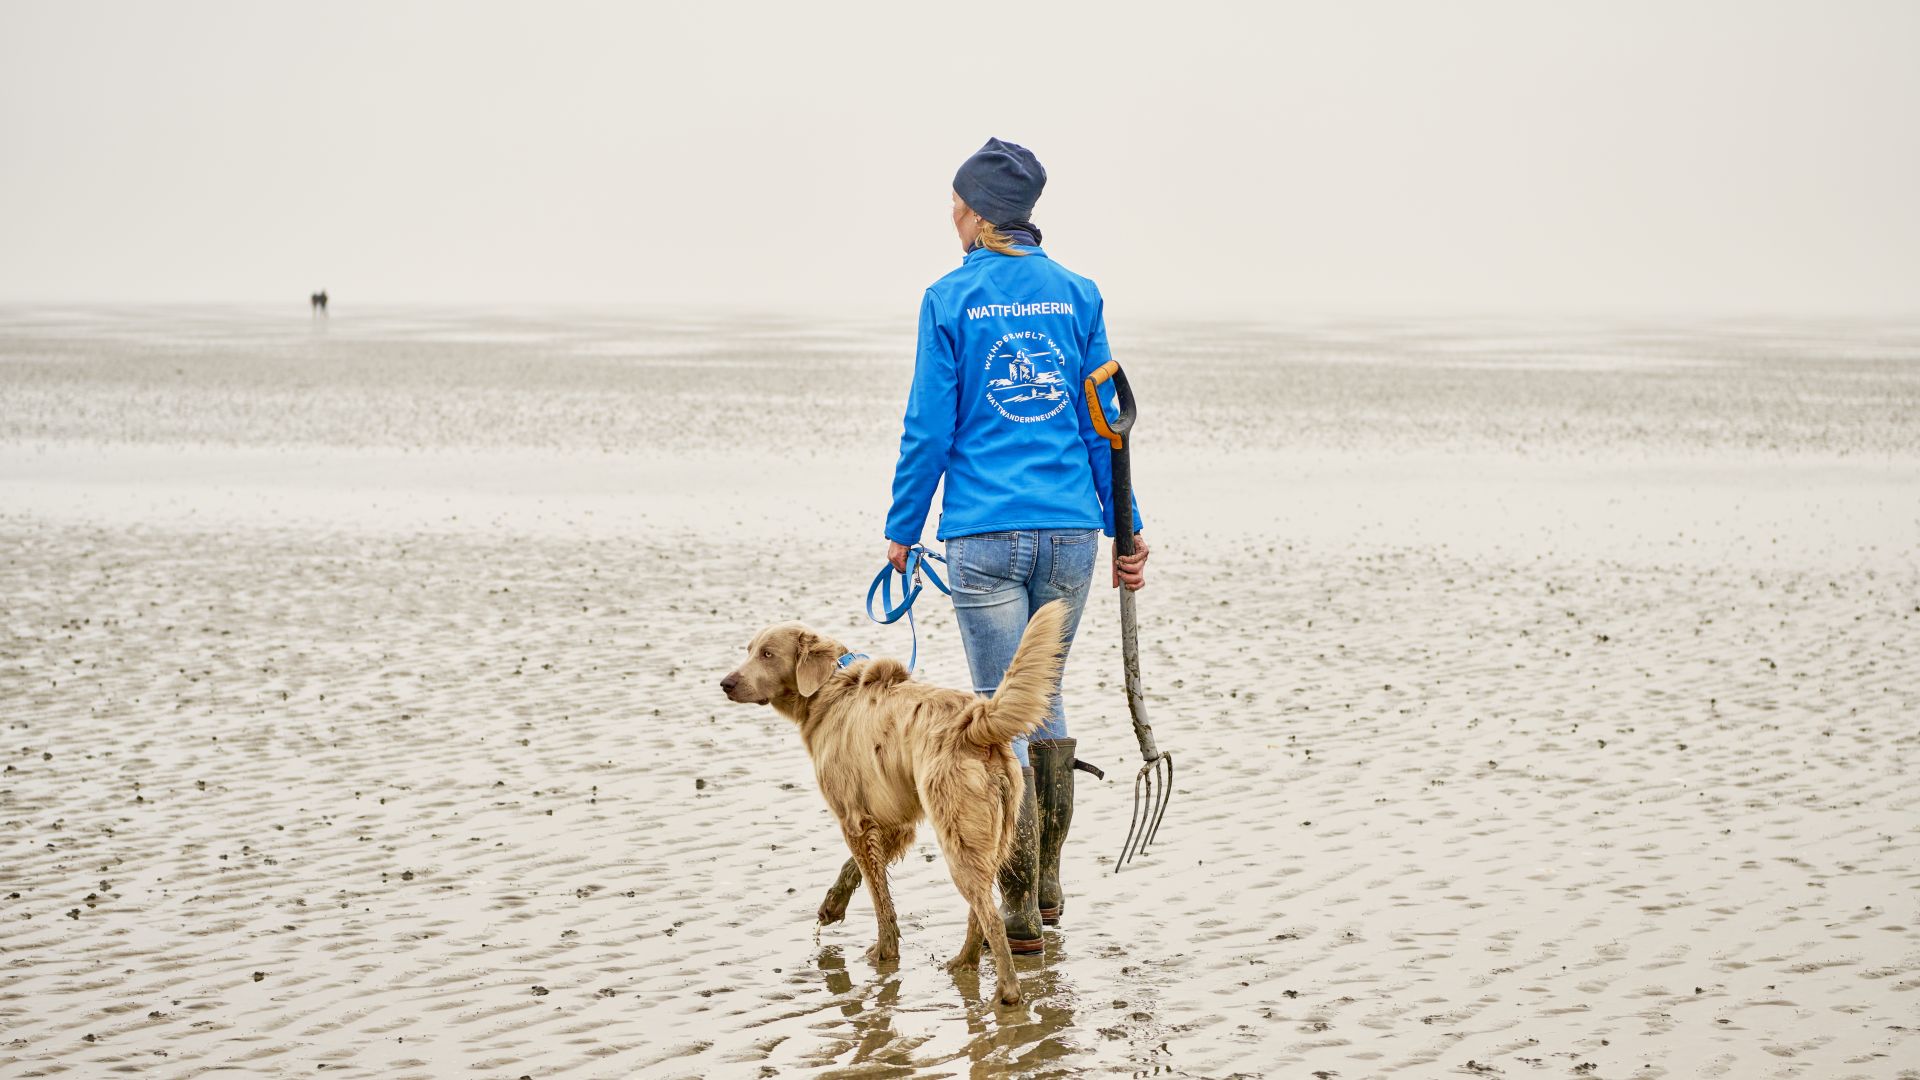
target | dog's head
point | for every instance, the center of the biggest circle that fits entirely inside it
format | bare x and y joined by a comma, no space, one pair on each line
784,662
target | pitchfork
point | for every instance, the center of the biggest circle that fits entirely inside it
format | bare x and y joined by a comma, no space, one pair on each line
1153,787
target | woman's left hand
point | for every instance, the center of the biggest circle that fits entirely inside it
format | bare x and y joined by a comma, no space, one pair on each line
897,556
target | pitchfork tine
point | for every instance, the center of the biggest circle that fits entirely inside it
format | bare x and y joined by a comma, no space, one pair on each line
1149,807
1166,796
1146,813
1133,823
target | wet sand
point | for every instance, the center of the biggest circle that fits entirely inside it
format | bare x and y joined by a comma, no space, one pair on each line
1543,701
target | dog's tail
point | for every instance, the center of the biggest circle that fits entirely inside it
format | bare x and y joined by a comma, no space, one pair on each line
1026,691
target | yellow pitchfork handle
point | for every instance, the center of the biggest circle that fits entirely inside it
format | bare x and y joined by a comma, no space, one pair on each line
1114,433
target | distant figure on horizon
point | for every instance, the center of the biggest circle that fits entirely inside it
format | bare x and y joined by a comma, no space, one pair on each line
320,302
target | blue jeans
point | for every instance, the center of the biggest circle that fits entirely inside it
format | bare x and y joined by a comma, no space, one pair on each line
999,580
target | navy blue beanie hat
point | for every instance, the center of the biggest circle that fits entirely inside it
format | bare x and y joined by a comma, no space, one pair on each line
1001,181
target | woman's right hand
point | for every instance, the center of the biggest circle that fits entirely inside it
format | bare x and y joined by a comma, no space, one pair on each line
1131,570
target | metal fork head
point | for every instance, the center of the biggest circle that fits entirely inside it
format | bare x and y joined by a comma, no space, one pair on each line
1152,787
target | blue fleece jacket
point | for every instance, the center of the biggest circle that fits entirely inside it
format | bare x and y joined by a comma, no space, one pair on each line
997,404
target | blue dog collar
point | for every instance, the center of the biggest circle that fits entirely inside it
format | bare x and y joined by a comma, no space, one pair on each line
849,657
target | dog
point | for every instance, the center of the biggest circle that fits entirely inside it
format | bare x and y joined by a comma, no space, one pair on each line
888,751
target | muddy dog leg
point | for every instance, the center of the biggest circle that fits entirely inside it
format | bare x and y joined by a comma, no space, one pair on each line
873,848
969,957
834,907
988,915
973,870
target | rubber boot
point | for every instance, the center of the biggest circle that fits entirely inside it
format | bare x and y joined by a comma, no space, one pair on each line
1053,775
1018,897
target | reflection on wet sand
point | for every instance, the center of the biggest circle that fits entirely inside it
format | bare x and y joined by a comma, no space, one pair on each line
1029,1036
868,1013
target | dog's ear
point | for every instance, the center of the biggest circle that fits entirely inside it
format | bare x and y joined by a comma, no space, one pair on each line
814,667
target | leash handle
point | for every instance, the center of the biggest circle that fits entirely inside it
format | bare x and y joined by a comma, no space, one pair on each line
1114,429
919,559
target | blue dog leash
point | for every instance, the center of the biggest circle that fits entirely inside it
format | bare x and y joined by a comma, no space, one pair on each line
918,559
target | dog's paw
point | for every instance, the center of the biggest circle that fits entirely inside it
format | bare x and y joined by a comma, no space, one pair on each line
883,952
966,961
1010,993
833,907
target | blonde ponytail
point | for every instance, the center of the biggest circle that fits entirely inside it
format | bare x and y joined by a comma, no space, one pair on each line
996,241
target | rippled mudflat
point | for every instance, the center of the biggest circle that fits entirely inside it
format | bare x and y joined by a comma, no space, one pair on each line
1542,692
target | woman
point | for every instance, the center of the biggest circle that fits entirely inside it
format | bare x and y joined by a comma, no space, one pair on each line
1006,343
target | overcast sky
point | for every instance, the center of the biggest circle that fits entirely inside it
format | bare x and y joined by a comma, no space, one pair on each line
1265,159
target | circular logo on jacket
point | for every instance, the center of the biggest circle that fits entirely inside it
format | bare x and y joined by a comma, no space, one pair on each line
1026,377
